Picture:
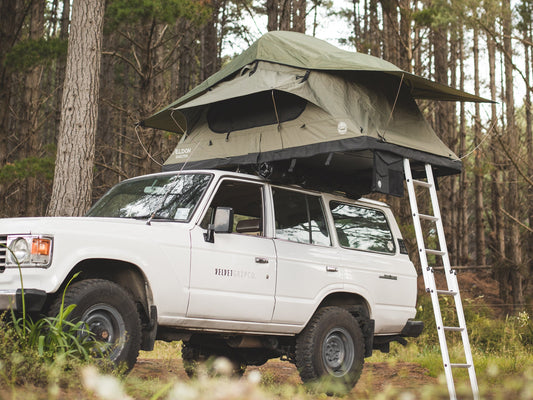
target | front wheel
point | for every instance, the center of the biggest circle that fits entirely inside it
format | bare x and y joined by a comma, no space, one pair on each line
110,314
331,349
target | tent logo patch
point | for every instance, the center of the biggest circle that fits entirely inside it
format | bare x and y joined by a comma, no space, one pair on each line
342,128
182,153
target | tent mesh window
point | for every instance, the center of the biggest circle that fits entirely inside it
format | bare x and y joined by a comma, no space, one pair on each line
258,109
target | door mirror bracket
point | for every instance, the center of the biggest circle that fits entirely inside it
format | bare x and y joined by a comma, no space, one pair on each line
223,223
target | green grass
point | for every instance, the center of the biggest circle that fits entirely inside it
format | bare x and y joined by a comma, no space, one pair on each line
48,358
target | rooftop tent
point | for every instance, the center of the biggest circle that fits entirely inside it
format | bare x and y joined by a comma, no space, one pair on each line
299,110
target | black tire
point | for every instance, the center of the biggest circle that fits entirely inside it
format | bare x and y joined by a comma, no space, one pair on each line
191,358
330,351
111,315
193,355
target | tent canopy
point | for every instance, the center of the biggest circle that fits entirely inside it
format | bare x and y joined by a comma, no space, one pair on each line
309,53
297,109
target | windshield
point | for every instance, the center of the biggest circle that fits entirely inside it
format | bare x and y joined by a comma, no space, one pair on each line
170,197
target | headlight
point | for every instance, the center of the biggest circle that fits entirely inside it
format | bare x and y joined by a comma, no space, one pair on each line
29,251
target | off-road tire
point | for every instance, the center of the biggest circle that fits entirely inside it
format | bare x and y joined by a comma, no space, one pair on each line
331,350
111,315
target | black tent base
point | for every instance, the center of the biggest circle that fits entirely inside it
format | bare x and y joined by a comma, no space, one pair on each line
355,166
353,174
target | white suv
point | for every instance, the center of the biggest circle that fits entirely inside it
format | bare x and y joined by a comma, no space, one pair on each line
228,263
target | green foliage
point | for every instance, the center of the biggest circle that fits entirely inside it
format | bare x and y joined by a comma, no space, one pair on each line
37,167
131,11
54,337
525,10
30,53
34,352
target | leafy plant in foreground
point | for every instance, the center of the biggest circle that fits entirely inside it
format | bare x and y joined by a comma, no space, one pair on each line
32,351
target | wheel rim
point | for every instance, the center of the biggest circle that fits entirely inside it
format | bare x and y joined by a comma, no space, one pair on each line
108,327
338,352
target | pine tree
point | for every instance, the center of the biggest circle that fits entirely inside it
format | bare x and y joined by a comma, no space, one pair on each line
73,177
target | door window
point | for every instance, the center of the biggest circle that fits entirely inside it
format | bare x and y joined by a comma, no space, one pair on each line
362,228
300,218
246,199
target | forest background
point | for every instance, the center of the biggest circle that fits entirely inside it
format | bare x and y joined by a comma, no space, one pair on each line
154,51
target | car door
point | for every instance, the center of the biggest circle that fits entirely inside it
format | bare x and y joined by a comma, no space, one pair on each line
308,265
372,263
234,278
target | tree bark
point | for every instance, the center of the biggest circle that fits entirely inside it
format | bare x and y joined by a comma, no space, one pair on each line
286,15
513,248
478,165
462,246
209,53
272,15
71,193
529,137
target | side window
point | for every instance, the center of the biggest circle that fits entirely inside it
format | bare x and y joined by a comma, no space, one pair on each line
246,199
300,218
362,228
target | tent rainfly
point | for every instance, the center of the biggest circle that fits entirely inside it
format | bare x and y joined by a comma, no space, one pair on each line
296,109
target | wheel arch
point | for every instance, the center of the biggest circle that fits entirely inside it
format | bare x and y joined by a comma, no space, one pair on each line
125,274
359,307
354,303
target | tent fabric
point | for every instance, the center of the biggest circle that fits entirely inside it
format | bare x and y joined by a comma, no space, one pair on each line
338,109
308,53
299,110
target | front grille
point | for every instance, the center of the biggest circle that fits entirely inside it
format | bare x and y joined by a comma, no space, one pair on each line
3,252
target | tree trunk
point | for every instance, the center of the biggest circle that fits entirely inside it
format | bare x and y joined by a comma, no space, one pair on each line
209,62
286,15
30,119
71,193
478,164
529,139
272,15
61,64
375,48
298,15
513,248
462,254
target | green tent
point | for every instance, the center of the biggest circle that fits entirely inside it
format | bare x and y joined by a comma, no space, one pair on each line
299,110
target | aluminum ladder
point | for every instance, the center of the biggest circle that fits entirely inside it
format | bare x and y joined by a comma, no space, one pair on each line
429,279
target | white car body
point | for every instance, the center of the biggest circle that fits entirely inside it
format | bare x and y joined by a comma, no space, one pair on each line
239,284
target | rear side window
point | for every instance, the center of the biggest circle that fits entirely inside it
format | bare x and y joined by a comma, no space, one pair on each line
300,218
362,228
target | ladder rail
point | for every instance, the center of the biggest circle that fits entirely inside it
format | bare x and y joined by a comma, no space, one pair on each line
451,279
429,279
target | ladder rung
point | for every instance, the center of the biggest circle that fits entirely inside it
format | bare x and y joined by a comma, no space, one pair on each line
453,328
446,292
422,183
435,252
460,365
428,217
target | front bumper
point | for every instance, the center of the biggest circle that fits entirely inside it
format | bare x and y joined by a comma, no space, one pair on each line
12,299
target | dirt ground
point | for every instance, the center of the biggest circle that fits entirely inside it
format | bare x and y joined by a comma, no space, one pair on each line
374,380
375,377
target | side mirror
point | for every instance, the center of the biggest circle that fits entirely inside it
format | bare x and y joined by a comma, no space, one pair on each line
223,223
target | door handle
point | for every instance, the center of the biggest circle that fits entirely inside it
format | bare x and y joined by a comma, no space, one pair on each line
261,260
329,268
391,277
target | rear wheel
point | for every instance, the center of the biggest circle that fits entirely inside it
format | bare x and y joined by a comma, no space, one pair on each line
110,314
331,350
